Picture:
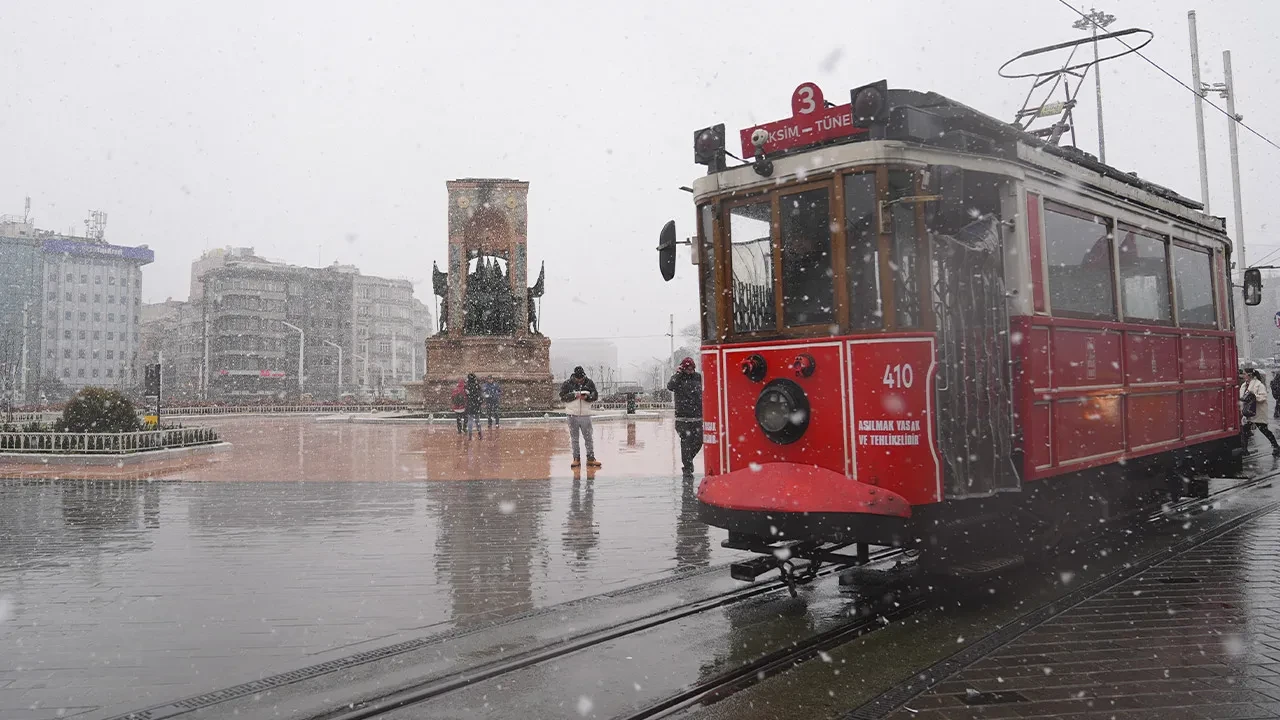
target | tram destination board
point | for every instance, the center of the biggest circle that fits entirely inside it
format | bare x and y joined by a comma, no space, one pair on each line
811,122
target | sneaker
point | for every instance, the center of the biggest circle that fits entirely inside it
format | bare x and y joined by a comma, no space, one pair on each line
575,464
594,463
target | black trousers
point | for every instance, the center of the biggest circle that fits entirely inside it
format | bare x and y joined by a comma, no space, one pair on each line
461,418
1247,429
491,412
690,432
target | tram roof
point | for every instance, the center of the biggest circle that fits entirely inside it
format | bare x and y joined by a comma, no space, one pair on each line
931,119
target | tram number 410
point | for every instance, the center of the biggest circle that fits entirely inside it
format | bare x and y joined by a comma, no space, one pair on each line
899,376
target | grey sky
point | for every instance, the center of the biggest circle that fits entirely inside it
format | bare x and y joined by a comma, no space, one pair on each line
309,131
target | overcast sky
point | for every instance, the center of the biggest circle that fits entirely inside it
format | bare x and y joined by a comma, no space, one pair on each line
315,134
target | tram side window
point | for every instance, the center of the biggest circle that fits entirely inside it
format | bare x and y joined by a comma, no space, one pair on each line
1193,283
751,263
808,286
905,259
863,252
1144,276
707,268
1079,253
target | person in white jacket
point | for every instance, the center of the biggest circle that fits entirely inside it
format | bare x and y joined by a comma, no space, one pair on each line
577,393
1255,384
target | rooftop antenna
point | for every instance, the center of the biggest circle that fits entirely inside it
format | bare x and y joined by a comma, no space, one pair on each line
26,211
95,227
1070,76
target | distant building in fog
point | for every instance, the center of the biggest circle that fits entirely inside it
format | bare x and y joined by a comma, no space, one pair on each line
234,341
598,357
69,313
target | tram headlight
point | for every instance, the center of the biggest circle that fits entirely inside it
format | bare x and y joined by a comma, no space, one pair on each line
782,411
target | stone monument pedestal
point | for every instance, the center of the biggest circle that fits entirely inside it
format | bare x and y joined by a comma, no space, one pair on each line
520,365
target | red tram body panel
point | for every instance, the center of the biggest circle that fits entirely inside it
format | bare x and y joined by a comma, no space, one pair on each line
908,313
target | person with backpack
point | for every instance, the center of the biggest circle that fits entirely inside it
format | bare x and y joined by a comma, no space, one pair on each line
1253,409
458,402
475,399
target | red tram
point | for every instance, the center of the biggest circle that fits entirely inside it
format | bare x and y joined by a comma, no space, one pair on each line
920,320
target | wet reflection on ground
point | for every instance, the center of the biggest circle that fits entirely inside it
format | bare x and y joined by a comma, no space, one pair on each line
292,544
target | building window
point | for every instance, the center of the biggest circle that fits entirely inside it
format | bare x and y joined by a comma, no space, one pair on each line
109,372
67,297
97,334
95,372
97,279
51,354
80,372
84,278
70,277
97,297
95,354
66,353
111,280
66,315
111,354
111,299
83,316
97,317
66,372
82,333
80,353
111,317
84,297
384,347
66,334
53,295
111,334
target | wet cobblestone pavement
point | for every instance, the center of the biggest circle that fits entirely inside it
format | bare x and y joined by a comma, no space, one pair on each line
117,594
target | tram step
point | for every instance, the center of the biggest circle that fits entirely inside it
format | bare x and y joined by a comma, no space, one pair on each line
985,567
749,570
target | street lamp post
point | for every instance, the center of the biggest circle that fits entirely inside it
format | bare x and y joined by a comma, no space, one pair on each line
302,344
338,384
364,376
1094,21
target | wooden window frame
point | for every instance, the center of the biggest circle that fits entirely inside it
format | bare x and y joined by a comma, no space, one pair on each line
1051,205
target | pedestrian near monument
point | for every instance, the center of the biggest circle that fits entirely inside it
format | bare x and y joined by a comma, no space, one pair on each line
578,393
458,402
686,390
475,400
492,400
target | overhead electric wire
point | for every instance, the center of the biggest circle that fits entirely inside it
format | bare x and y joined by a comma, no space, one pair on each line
1175,78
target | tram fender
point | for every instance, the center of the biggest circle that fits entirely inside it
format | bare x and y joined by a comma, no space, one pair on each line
796,488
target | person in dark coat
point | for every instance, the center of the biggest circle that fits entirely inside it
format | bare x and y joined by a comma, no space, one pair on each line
492,400
1275,391
475,399
686,388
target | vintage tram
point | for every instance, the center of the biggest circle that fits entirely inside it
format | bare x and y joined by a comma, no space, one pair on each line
925,327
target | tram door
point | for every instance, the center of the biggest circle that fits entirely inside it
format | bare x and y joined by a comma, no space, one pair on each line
974,385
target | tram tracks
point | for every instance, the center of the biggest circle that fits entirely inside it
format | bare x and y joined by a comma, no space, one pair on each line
472,676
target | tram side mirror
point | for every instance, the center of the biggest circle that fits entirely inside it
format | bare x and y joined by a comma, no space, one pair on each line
667,250
1252,286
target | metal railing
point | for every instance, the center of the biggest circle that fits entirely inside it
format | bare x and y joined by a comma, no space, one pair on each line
105,443
277,409
640,405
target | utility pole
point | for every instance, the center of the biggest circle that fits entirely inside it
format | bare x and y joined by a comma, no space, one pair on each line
1094,21
339,382
671,355
1199,92
1229,92
302,345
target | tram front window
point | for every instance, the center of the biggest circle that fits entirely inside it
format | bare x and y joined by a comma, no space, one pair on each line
751,262
904,260
808,291
707,267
